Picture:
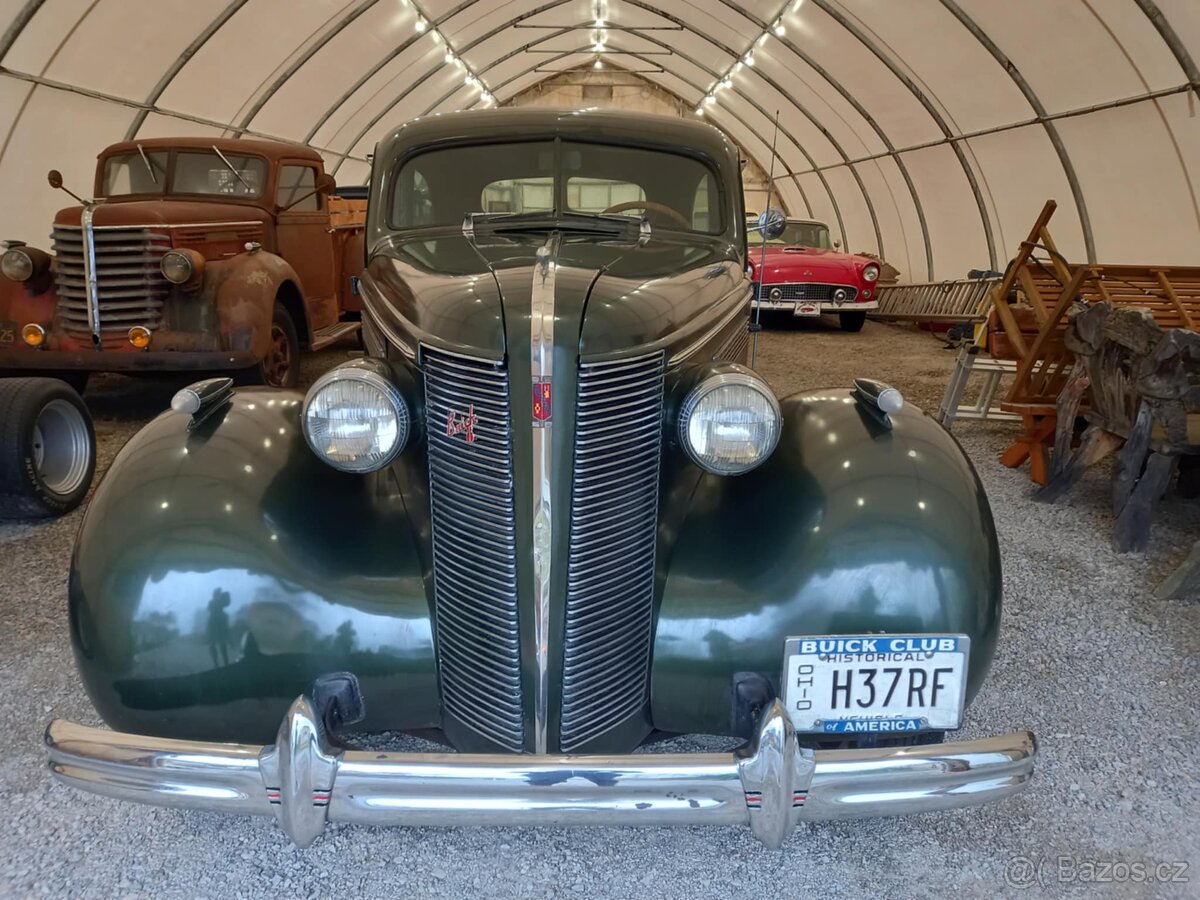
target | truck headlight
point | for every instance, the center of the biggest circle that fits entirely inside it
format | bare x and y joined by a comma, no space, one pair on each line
870,272
730,422
181,266
17,264
355,419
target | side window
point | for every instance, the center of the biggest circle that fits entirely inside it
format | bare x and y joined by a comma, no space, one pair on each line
294,183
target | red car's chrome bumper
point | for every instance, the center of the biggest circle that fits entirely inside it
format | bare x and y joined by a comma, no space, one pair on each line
771,785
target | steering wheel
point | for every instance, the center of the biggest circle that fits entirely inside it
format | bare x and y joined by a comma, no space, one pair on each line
650,206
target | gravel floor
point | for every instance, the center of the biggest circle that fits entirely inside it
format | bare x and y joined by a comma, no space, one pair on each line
1102,672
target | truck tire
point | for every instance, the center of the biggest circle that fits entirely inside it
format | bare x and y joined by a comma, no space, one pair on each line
852,321
281,366
47,448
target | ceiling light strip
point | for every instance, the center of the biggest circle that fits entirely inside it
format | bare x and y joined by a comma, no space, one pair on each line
423,25
725,81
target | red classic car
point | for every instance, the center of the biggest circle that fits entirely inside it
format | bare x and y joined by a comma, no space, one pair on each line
808,277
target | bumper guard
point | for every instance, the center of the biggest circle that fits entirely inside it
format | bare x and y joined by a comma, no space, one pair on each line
304,781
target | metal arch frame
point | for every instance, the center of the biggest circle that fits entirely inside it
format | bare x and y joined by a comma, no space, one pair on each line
28,11
433,24
701,90
315,45
1170,38
779,91
939,120
177,66
867,117
1031,97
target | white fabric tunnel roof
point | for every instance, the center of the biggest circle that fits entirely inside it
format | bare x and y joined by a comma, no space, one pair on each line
929,131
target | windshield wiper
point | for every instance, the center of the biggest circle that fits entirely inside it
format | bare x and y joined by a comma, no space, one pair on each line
229,166
579,222
149,168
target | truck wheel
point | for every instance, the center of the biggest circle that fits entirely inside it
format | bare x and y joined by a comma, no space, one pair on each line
281,366
47,448
852,321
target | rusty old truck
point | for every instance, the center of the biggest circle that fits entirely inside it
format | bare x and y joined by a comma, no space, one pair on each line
195,255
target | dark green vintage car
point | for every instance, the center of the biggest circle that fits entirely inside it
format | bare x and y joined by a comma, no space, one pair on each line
550,517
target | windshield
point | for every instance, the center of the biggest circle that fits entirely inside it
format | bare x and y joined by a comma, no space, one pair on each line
226,174
804,234
441,187
135,173
196,172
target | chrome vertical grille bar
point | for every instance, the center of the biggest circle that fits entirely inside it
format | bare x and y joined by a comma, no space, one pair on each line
108,277
474,545
541,369
611,557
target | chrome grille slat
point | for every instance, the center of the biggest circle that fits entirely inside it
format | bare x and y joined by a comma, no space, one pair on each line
129,286
619,418
807,290
474,577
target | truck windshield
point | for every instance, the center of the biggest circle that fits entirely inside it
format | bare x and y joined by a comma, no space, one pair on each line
440,187
224,174
196,172
135,173
803,234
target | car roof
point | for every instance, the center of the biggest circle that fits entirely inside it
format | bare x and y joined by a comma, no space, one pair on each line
533,123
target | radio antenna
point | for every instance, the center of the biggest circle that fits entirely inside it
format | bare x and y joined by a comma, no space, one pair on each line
762,256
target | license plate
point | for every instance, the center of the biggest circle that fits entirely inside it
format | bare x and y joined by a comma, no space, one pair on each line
875,683
808,309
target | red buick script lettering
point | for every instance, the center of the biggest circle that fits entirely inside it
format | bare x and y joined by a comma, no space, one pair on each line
456,424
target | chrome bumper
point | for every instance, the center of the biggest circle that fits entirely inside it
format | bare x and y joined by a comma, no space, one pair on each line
827,306
304,782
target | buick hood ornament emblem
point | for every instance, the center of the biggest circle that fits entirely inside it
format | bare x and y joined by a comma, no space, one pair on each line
457,423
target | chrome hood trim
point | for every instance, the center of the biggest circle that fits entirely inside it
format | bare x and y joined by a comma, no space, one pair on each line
541,370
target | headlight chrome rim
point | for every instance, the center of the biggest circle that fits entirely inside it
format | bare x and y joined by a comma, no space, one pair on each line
738,377
16,257
870,272
391,394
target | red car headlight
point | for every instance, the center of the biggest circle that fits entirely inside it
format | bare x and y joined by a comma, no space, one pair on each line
870,272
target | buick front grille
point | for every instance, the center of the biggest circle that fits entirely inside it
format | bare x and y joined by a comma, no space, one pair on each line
474,545
130,286
813,293
611,558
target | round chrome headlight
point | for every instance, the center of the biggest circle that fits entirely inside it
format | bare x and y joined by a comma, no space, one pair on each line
730,422
355,419
17,264
176,266
870,272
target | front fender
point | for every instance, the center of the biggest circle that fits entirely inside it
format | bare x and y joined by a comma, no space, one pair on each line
850,527
219,570
243,291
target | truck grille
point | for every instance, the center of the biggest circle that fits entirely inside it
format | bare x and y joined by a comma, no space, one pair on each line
610,565
130,287
474,545
814,293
